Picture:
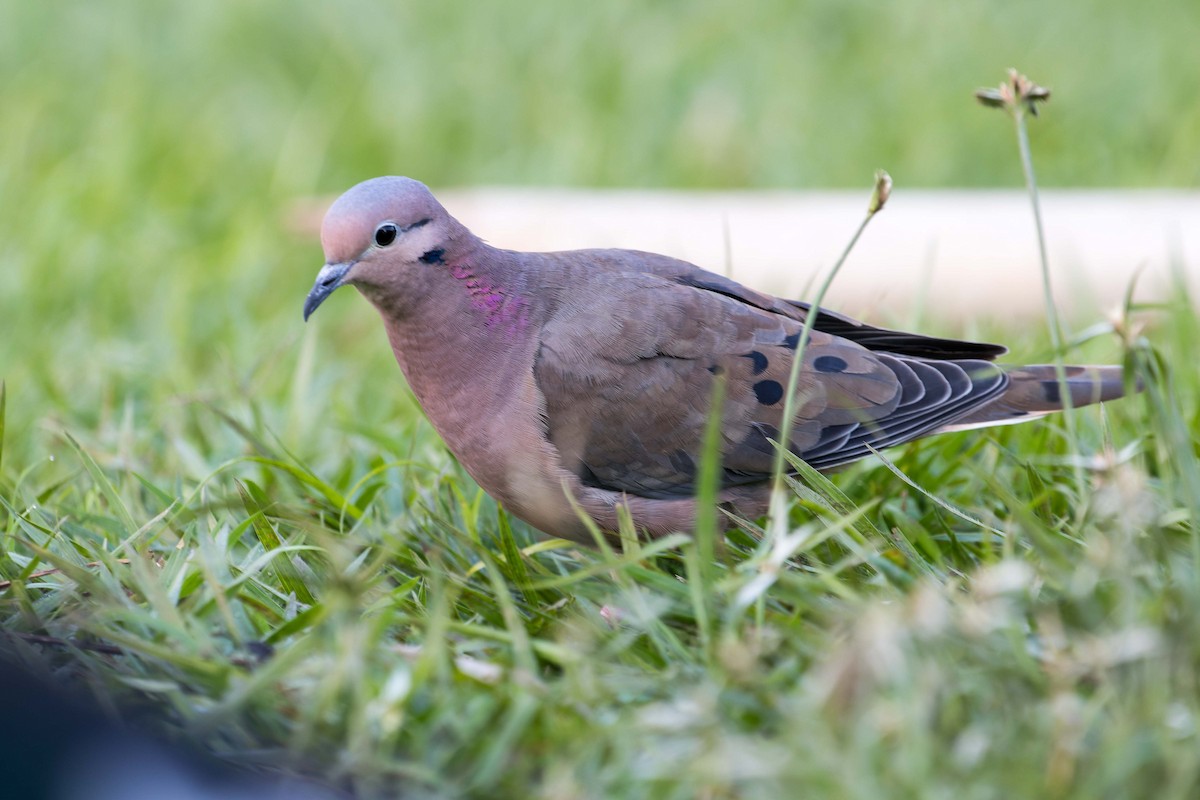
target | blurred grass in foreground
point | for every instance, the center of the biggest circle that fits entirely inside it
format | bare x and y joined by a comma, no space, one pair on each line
243,525
151,151
342,601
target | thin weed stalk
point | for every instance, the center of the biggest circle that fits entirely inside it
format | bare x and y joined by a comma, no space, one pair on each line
1019,96
879,197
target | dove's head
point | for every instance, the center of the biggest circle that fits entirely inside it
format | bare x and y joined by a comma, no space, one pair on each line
377,234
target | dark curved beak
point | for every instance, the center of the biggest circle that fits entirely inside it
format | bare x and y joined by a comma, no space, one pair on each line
328,279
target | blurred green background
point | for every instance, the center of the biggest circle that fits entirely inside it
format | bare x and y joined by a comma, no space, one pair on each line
788,93
152,151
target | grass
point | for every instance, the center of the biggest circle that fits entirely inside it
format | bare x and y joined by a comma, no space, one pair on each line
369,617
240,531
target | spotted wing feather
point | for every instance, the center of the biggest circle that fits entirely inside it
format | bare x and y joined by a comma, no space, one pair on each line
628,392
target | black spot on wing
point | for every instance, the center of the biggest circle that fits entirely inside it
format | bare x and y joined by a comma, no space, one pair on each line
768,392
829,364
1050,390
791,342
758,361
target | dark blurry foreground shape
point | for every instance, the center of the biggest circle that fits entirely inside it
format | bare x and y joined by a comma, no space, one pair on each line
56,745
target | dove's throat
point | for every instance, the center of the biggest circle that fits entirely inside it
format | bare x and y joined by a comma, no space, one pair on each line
501,309
467,343
468,358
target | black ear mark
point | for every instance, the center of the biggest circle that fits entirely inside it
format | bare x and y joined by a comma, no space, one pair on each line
433,256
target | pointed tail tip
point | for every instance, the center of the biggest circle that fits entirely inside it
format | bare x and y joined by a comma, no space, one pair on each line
1086,384
1035,391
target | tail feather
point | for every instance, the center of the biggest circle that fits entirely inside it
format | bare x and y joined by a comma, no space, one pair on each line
1034,391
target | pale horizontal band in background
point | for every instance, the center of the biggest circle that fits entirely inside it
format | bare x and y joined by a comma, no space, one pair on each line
941,253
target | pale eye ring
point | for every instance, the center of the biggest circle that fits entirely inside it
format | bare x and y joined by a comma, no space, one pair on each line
385,234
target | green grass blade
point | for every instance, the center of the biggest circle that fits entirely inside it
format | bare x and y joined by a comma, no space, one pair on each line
958,512
283,567
107,489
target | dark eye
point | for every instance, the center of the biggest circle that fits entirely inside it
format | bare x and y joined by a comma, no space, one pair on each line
385,234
